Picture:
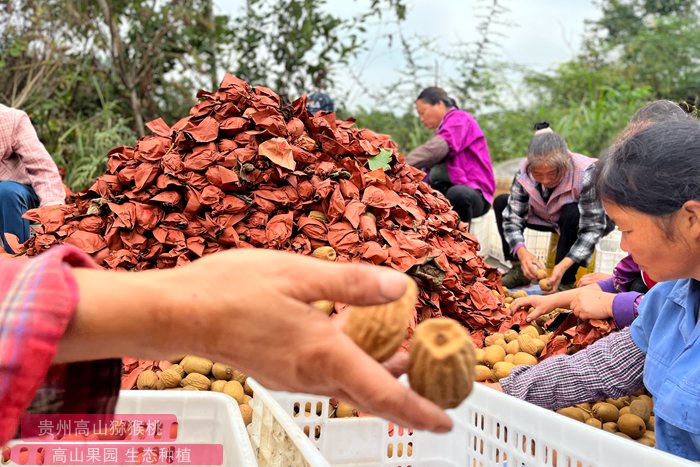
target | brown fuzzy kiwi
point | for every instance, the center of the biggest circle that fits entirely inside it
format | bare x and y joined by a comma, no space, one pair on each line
197,380
616,402
147,379
324,306
502,370
573,412
441,362
647,442
325,252
610,427
544,285
246,413
170,378
605,412
193,364
222,371
594,422
641,409
649,401
632,425
218,385
381,329
510,335
524,358
235,390
650,423
493,354
345,410
482,373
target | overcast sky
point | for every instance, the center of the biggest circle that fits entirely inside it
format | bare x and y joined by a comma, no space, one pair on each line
542,34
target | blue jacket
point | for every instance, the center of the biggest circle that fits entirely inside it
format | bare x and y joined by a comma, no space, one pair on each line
668,332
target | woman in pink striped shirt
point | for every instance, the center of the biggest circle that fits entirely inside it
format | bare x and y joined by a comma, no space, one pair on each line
28,175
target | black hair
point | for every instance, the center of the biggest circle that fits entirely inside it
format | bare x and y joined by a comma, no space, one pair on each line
659,111
320,78
433,95
654,171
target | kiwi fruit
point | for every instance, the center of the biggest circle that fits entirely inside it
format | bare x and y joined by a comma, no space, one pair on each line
616,402
482,373
640,408
594,422
650,423
605,412
610,427
573,412
631,425
649,401
647,442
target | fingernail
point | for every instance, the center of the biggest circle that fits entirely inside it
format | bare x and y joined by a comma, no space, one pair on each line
392,284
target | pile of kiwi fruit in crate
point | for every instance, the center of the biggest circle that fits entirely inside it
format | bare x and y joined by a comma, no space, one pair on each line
630,417
504,351
191,373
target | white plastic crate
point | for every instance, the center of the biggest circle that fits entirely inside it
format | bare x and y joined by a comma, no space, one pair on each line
608,252
276,438
491,429
203,418
485,230
539,244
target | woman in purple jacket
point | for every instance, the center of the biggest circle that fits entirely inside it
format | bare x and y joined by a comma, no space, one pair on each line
456,158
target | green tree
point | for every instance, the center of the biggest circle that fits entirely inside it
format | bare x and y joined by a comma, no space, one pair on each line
286,43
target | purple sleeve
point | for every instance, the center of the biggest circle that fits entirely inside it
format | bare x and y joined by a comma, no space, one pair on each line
608,285
624,308
459,130
610,367
624,273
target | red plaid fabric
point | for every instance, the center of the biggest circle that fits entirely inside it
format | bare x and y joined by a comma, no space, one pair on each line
24,159
39,297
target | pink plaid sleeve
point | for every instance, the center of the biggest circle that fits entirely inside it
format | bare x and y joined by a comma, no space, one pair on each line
40,168
610,367
39,297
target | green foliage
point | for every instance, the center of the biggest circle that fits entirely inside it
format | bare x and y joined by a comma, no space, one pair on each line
81,151
90,73
406,130
290,44
84,147
588,126
380,161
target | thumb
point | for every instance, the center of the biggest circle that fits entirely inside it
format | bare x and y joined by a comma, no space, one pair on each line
351,283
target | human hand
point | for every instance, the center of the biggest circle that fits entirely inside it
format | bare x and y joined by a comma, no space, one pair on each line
529,263
555,277
250,309
592,304
494,386
541,304
592,278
